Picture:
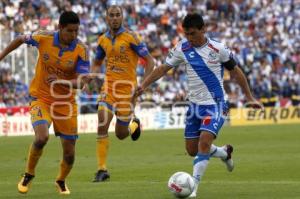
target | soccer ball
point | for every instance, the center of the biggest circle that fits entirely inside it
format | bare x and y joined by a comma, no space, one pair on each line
181,184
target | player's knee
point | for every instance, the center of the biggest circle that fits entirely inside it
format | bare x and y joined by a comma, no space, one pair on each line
69,159
192,152
121,135
41,142
102,130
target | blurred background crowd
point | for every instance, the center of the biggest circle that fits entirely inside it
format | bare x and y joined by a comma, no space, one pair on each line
264,36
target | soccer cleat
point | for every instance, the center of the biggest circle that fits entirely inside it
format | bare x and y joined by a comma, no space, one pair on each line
136,134
101,176
24,184
194,193
62,187
228,161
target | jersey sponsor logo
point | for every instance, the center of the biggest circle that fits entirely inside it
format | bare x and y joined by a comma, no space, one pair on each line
118,59
46,57
117,69
54,70
70,63
206,121
192,54
122,49
212,57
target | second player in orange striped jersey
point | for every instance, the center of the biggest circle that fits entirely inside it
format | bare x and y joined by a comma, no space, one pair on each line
122,49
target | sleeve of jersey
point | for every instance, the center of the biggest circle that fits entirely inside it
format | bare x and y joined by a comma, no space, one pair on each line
100,53
83,63
226,58
137,45
140,49
174,59
33,40
82,66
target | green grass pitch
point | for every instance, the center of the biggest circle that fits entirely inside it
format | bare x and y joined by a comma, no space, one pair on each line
267,162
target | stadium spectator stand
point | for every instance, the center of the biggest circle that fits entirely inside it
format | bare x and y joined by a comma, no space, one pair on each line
264,35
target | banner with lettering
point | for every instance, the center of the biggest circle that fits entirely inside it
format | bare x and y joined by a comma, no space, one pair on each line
271,115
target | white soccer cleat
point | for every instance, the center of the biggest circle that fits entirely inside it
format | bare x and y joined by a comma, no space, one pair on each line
194,193
228,161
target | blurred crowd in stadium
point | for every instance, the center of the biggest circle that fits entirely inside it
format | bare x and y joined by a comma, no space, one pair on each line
264,35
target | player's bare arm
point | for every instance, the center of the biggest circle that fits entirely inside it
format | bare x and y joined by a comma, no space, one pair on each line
238,74
86,79
94,71
149,65
12,46
96,64
156,74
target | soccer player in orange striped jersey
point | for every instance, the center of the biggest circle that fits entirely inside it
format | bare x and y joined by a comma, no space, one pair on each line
61,66
122,49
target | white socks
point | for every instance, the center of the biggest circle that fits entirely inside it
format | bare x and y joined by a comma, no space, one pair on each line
199,167
217,152
201,162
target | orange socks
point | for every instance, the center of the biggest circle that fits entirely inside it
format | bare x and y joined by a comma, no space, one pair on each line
102,151
33,158
64,170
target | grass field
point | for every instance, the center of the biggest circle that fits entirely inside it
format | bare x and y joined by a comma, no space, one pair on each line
267,162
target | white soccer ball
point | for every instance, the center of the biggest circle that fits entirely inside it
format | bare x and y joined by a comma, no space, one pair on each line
181,184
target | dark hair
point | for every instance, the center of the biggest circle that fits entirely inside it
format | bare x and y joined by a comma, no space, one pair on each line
68,17
193,20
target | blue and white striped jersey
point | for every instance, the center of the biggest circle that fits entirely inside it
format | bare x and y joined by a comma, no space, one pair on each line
204,67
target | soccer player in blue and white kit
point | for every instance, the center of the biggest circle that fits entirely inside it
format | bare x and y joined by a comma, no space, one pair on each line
205,61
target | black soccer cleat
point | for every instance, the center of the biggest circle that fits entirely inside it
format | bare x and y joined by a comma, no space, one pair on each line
101,176
137,133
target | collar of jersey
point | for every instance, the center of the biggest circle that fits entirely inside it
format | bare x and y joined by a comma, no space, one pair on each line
122,29
71,47
187,45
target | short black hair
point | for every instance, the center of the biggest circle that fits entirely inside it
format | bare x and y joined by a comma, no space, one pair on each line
68,17
193,20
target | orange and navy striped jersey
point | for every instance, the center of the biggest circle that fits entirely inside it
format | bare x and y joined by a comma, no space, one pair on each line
65,63
122,53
